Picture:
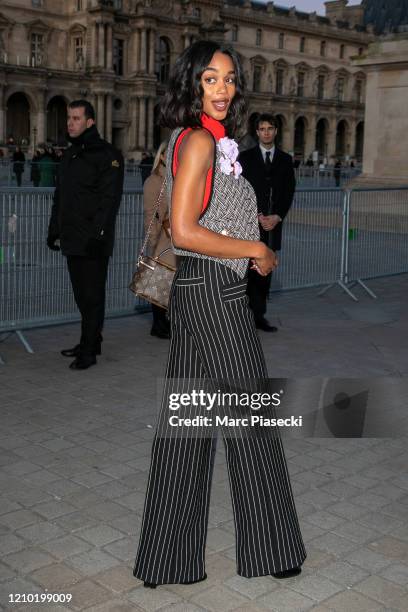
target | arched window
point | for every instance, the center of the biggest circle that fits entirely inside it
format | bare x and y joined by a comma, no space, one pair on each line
340,88
280,76
320,86
163,60
300,84
257,71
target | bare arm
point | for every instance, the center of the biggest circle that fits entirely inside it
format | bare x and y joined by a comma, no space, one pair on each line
196,156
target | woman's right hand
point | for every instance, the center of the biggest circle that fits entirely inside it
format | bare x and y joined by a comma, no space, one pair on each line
266,262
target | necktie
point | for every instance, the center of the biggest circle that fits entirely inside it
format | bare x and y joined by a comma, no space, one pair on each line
268,163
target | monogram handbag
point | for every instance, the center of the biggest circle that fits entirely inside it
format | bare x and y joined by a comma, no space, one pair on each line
153,278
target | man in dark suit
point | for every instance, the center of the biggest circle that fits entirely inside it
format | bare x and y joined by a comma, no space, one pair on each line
270,172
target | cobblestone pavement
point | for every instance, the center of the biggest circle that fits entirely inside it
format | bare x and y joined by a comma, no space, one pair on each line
74,457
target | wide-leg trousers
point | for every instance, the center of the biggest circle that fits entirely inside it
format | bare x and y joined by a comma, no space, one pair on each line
213,335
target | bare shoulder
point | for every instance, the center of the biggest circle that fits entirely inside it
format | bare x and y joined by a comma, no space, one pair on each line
197,144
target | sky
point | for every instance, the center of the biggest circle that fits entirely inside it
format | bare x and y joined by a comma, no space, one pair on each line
309,5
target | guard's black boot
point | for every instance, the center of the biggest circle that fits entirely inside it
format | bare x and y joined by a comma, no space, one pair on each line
75,352
83,362
290,573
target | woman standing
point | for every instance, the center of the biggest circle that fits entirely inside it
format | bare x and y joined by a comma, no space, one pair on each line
159,239
213,336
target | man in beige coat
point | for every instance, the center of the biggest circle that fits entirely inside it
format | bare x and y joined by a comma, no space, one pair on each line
159,239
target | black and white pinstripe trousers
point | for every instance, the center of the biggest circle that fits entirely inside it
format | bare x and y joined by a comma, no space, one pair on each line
213,335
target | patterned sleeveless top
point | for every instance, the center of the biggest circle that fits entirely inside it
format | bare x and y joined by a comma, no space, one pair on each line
231,209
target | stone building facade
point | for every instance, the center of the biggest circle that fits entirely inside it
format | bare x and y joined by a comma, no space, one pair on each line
118,54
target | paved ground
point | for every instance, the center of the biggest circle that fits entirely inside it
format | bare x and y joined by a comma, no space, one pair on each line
74,455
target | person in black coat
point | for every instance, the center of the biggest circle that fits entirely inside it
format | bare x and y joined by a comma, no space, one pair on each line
18,164
270,172
86,201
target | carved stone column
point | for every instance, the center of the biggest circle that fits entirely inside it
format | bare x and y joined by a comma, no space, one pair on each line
134,54
108,118
310,140
135,124
142,123
143,55
351,139
101,43
152,45
2,122
95,45
150,123
331,138
41,117
109,46
289,134
100,114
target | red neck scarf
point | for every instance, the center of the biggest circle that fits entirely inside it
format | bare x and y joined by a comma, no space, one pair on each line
212,125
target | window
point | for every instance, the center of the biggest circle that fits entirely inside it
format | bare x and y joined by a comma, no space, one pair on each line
323,48
302,44
320,86
281,41
79,5
118,49
36,3
258,38
301,84
197,13
163,60
279,81
342,51
37,49
360,50
257,78
78,52
340,83
117,5
359,91
234,33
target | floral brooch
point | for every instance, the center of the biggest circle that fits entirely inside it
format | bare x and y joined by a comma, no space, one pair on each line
229,153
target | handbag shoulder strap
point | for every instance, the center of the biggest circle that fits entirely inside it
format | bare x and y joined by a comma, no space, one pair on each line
149,229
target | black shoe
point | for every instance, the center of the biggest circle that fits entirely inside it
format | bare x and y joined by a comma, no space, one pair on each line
290,573
263,324
152,585
83,362
160,333
76,351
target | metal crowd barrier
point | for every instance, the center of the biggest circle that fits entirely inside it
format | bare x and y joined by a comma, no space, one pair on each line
35,175
331,237
313,178
35,289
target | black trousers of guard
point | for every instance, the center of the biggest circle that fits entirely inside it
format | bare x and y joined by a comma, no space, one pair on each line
213,335
88,279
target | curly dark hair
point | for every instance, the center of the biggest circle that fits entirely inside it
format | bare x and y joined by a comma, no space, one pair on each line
182,103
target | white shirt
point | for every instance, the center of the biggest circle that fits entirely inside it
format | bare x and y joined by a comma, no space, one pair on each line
265,151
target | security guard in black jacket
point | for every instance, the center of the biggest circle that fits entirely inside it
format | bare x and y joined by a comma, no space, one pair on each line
86,202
